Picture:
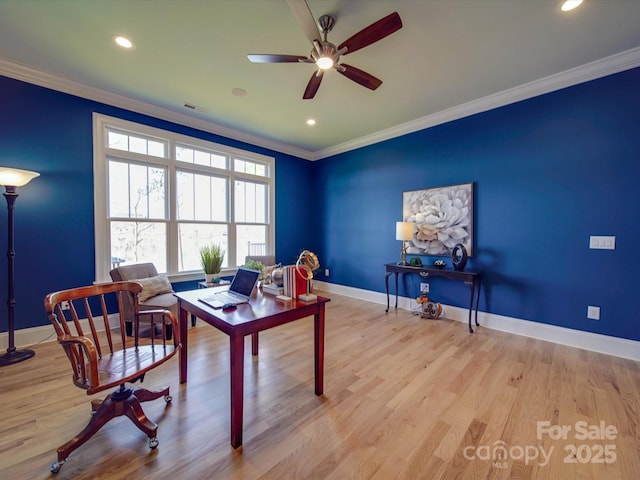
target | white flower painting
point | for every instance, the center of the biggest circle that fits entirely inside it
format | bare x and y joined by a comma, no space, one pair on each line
443,218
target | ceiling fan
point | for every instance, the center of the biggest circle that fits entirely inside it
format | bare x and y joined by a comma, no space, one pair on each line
325,54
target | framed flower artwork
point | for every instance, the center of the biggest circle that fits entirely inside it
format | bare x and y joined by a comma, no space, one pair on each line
443,217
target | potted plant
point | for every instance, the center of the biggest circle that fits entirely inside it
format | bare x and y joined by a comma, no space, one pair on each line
255,265
211,257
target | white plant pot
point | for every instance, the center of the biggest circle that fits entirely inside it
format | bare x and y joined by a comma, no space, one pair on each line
209,277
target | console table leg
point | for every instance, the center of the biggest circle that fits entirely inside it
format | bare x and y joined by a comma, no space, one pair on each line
472,291
396,274
477,301
386,285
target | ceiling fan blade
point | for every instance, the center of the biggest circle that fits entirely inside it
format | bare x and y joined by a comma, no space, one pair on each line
363,78
268,58
302,12
313,85
374,32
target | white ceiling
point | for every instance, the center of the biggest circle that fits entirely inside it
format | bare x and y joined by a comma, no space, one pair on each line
451,58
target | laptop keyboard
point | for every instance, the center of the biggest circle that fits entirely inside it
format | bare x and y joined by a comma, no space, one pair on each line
227,298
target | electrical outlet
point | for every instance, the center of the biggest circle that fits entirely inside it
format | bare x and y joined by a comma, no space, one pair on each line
593,313
424,287
602,242
65,305
326,272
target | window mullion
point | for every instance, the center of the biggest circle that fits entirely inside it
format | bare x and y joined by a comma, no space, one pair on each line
171,213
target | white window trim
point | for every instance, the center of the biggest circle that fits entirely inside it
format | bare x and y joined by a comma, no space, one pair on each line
102,244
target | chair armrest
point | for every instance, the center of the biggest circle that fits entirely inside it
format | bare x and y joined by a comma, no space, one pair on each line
172,319
89,350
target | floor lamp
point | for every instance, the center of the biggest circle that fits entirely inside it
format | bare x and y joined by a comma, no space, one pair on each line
12,178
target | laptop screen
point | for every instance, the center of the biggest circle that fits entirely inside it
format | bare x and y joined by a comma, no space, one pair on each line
244,281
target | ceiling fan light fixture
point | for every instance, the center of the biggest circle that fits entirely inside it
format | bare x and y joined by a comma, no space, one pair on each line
570,5
324,63
123,42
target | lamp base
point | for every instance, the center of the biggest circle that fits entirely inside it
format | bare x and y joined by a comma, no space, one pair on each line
15,356
307,297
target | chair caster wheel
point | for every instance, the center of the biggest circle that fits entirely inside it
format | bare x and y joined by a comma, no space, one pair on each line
153,443
168,398
56,466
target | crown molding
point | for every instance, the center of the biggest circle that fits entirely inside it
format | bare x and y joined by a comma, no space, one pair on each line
600,68
590,71
44,79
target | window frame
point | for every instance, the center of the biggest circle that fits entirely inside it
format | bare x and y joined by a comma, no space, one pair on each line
102,154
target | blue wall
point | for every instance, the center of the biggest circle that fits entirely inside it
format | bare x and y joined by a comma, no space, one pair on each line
548,172
51,132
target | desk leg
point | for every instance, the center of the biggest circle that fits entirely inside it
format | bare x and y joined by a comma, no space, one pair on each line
318,347
236,353
183,340
254,344
472,293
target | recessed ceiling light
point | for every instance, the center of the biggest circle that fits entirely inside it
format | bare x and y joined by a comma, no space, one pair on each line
123,42
311,121
570,5
239,92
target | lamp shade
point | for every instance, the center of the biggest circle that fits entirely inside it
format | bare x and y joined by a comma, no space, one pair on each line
404,230
16,178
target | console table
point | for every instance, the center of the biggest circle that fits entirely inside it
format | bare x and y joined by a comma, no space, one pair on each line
472,279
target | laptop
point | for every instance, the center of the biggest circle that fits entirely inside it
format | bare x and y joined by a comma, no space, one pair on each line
239,291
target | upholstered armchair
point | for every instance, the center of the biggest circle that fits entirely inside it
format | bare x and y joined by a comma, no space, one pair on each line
157,292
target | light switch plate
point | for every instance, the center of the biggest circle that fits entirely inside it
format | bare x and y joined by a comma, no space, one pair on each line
593,312
602,242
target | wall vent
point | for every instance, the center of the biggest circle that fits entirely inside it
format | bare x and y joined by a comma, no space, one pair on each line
192,106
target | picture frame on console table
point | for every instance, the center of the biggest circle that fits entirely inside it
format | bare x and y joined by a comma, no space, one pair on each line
443,217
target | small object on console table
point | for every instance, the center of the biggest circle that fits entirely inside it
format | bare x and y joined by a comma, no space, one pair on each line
459,257
439,264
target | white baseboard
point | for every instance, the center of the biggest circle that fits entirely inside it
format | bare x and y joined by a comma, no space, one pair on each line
595,342
618,347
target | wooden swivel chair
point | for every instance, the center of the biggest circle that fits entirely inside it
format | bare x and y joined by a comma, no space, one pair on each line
103,357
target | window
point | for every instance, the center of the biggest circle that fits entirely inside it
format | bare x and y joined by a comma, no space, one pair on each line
159,196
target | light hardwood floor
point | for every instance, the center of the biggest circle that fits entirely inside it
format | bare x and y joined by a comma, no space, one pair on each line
404,398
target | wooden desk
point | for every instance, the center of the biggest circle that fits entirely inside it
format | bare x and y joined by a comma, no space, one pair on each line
261,313
472,279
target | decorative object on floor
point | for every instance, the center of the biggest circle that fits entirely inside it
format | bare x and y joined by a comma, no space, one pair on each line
325,55
428,308
12,178
211,257
459,257
103,357
404,232
443,217
415,262
439,264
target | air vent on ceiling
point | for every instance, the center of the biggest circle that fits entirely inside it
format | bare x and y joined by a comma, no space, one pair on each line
192,106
